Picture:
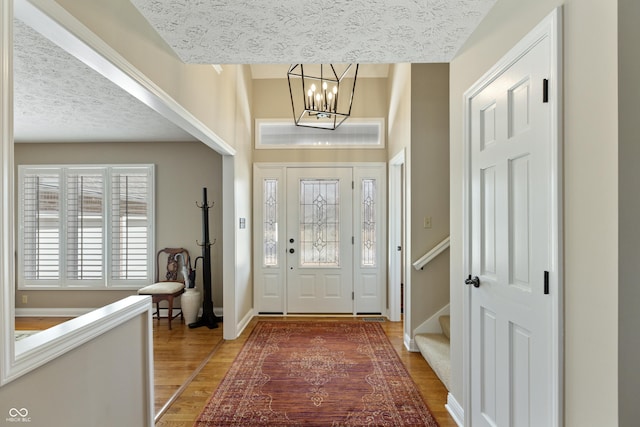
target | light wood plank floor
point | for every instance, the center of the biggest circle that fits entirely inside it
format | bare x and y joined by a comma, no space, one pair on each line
190,363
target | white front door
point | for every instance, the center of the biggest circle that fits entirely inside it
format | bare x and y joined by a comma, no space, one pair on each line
512,243
319,240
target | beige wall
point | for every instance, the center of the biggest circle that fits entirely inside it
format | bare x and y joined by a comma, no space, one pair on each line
182,170
221,102
629,207
102,383
399,141
243,182
399,109
429,187
272,101
418,119
590,192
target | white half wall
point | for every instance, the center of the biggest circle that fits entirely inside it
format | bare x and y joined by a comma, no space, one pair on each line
105,382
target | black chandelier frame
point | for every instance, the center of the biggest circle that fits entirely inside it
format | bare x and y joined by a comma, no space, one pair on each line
326,104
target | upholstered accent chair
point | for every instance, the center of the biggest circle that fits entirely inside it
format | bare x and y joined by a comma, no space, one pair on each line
170,283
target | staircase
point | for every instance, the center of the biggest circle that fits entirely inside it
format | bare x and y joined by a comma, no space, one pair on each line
435,349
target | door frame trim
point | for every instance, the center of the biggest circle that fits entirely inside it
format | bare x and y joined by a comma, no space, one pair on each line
550,27
394,231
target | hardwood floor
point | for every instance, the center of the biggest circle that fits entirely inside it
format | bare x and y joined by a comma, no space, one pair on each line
186,408
190,363
38,323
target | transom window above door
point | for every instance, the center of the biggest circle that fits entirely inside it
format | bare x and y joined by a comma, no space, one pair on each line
356,133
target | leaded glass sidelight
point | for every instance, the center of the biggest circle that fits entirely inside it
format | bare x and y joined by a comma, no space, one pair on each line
270,227
368,211
319,223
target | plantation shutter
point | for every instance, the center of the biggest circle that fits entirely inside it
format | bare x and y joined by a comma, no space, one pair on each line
131,225
85,225
41,225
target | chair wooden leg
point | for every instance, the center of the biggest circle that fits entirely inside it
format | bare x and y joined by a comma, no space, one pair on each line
157,299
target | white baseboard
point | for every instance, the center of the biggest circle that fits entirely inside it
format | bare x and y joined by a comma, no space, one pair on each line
410,344
244,322
432,324
455,410
52,312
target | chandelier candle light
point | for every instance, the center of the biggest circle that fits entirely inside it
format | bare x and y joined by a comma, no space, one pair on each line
322,94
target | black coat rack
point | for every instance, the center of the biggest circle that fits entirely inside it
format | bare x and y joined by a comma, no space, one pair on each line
208,318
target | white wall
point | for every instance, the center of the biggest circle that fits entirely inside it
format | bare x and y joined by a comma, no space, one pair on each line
102,383
590,189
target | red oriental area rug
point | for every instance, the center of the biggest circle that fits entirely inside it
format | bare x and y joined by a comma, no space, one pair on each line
316,374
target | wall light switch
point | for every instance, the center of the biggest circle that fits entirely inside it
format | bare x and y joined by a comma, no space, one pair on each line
25,299
427,222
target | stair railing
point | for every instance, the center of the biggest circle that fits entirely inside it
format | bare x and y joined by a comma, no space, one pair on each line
437,250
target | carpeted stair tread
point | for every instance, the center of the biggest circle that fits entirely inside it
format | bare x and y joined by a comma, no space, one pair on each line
445,324
435,349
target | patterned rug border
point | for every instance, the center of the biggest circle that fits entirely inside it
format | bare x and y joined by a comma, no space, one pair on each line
259,412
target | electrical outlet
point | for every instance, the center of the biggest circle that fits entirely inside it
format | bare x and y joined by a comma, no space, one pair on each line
427,222
25,299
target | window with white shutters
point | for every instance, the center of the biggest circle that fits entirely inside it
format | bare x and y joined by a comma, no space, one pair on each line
85,226
130,219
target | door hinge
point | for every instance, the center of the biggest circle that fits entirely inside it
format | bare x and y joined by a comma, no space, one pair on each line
546,283
353,185
353,296
545,90
353,240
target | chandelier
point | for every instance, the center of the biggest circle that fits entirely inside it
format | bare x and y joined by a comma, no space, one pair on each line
321,94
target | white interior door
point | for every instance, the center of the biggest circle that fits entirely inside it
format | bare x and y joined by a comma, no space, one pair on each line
511,244
319,240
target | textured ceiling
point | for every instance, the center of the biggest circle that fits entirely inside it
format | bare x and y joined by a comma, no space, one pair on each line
279,71
288,31
59,99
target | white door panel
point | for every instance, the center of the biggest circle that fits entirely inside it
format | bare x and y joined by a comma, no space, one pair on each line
319,240
510,249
